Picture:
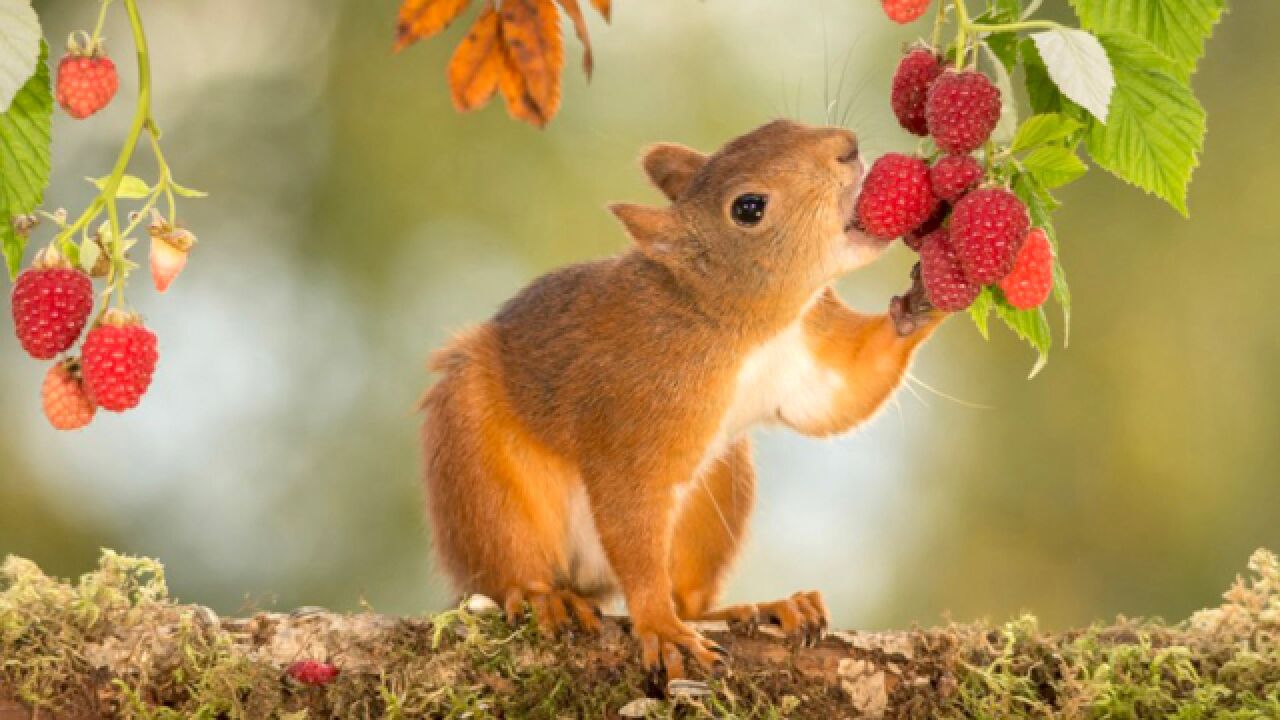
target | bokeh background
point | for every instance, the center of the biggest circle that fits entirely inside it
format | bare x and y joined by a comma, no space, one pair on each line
355,221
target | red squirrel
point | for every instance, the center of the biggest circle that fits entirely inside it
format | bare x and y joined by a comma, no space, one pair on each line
591,439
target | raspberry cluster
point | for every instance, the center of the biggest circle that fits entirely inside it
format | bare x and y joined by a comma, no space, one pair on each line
968,234
51,304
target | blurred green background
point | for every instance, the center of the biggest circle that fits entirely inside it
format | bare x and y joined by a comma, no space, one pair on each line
356,221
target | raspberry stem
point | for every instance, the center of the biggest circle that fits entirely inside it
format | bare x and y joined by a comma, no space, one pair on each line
962,30
97,29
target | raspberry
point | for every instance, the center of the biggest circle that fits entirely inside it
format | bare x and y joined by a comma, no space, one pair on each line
312,672
86,83
962,110
904,11
915,238
988,227
1028,285
65,401
170,247
954,175
944,279
917,71
896,196
51,304
119,360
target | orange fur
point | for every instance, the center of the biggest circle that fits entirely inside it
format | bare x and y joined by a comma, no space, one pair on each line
589,439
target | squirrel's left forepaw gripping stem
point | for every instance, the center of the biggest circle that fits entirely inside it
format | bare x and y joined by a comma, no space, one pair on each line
912,310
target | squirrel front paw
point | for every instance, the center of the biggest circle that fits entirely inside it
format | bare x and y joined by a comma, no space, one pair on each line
663,648
912,310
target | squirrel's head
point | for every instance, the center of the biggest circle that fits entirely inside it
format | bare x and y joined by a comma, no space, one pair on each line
770,214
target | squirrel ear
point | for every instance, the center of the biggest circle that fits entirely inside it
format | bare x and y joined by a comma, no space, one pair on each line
670,167
654,230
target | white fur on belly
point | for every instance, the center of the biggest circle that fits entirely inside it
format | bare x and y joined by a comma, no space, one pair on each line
589,570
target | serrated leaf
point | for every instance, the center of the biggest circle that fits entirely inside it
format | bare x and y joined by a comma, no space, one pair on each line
130,187
1030,325
1044,96
1054,166
980,312
24,157
187,192
1157,126
1043,128
1178,29
1078,65
19,47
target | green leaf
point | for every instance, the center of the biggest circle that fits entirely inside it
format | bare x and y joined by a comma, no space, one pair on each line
1156,128
980,312
1178,29
24,157
130,187
19,47
1054,166
1030,325
186,191
1045,97
1078,65
1007,124
1003,44
1043,128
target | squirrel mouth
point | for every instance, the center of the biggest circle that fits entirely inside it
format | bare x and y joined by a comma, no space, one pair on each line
849,207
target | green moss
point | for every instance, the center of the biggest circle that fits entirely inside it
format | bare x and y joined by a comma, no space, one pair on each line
1222,664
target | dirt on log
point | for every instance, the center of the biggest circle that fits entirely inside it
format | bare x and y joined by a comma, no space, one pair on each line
114,644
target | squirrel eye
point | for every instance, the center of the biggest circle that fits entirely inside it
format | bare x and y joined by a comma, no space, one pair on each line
748,209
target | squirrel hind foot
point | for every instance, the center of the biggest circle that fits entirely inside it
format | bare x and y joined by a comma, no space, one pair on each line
554,611
803,617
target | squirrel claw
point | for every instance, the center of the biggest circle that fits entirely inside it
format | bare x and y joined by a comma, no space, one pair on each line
663,653
911,310
803,617
555,612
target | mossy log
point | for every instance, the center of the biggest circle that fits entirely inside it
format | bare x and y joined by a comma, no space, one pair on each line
114,644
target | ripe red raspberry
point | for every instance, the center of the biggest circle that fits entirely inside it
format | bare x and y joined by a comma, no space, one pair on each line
51,304
962,110
1028,285
944,280
988,227
86,83
312,672
905,11
64,399
954,175
119,359
896,196
917,71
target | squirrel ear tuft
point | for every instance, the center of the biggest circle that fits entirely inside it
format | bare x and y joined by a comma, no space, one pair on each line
654,230
670,167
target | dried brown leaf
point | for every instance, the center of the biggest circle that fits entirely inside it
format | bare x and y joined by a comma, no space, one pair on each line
420,19
478,63
535,52
574,11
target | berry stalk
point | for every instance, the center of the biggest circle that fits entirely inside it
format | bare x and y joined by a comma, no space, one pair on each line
106,198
